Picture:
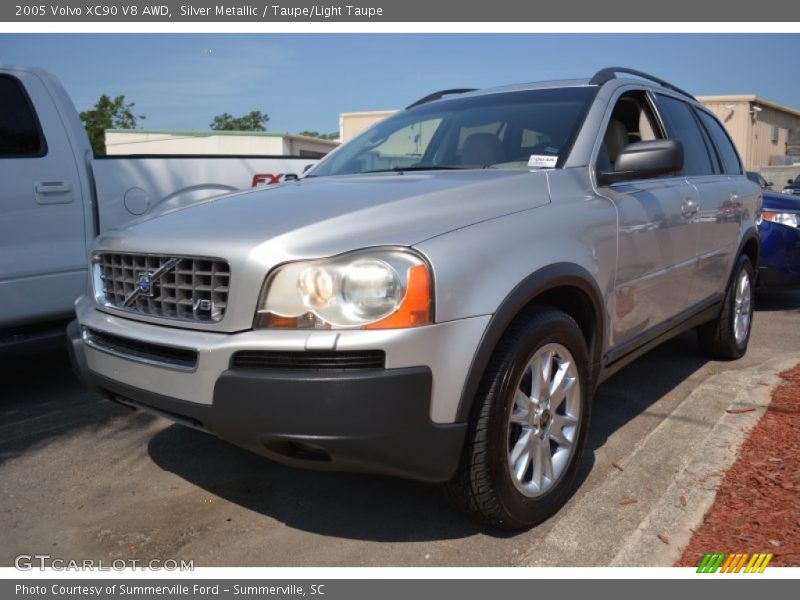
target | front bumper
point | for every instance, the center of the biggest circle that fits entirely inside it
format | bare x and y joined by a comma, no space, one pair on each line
779,258
379,421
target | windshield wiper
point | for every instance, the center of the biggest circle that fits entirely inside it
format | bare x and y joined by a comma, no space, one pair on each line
426,168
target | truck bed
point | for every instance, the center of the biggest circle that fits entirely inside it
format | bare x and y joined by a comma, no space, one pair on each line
130,186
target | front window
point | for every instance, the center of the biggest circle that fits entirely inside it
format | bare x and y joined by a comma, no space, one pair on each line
509,130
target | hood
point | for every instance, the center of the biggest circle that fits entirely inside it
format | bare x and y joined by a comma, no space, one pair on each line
325,216
256,230
775,201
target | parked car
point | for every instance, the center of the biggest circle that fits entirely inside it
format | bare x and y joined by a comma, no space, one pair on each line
792,187
56,197
779,263
758,179
439,298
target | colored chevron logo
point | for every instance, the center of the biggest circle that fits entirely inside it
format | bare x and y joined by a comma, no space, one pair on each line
734,563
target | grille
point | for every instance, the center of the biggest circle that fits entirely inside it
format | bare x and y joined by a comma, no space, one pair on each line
309,361
185,288
177,357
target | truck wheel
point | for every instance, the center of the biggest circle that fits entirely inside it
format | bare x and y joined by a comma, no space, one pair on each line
528,426
726,338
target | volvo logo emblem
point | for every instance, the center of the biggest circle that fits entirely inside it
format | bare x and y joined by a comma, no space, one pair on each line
144,284
144,281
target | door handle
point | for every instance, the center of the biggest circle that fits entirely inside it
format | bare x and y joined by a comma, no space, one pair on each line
689,207
52,187
53,192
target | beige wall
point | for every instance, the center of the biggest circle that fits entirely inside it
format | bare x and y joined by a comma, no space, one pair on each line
351,124
751,130
301,145
134,142
763,145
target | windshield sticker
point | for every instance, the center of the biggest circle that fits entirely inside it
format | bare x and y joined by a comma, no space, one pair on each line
542,161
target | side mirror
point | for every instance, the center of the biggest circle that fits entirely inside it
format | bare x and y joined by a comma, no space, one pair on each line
307,167
790,181
643,160
769,184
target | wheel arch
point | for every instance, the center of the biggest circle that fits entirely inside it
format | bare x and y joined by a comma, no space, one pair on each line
566,286
750,245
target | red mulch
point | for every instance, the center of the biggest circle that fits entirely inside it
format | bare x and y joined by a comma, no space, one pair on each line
757,507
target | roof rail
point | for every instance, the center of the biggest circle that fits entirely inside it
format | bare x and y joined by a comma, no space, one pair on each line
438,95
609,73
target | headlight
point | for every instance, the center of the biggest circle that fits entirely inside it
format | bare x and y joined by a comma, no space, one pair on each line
787,191
370,289
782,218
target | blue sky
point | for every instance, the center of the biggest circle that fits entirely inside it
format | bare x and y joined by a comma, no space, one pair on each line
303,81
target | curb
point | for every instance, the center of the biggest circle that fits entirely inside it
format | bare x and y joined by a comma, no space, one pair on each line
684,504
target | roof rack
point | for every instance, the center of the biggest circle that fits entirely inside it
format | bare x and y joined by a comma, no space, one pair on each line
441,94
609,73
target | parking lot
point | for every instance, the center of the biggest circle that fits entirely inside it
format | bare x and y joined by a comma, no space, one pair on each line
84,478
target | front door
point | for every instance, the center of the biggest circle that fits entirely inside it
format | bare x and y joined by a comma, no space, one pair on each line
656,242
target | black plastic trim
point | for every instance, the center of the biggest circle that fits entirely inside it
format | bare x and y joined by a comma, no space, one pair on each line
161,354
547,278
309,360
625,353
749,235
371,421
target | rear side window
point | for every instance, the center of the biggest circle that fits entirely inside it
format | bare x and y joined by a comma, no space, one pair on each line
19,129
682,125
727,153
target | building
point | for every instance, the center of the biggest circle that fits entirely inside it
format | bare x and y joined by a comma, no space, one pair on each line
353,123
253,143
759,128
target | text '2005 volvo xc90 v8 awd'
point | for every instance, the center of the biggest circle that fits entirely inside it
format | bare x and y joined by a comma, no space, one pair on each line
438,298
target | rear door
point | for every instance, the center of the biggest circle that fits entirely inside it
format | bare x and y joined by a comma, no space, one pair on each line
732,196
42,241
707,205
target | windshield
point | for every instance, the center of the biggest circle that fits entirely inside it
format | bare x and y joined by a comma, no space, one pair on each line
509,130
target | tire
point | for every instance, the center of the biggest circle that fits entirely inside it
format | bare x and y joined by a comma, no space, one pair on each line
484,485
727,337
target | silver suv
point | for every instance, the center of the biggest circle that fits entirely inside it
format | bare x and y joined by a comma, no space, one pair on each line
439,298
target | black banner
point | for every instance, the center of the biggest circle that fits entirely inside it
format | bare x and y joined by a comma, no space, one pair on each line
407,11
374,589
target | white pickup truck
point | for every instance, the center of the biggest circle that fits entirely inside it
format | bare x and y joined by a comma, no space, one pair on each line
56,197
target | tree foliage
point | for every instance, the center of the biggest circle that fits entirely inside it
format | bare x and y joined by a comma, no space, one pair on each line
334,135
253,121
108,113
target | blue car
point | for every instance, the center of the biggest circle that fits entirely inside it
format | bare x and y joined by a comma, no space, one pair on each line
779,261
